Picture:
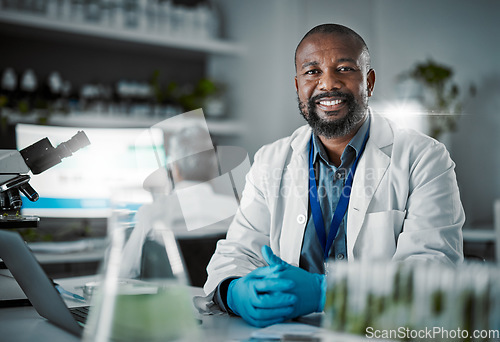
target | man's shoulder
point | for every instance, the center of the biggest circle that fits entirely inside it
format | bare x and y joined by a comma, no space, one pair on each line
411,142
413,137
405,135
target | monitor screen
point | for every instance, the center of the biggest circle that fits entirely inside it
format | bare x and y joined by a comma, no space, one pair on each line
81,185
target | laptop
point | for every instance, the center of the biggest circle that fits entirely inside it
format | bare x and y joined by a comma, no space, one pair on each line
37,286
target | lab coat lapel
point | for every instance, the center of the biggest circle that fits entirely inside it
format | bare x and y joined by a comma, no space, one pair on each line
372,167
297,199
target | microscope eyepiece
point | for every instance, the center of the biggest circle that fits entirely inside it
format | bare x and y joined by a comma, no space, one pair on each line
42,155
79,140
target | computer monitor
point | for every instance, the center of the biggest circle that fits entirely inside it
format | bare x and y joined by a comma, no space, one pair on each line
80,186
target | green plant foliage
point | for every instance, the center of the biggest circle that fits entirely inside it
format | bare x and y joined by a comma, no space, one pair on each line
445,103
3,101
190,96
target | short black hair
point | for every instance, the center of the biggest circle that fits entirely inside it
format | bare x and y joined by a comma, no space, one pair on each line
337,29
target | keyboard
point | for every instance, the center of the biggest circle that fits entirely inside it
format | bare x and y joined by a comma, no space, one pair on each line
80,313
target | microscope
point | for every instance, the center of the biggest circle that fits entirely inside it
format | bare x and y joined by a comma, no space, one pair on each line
14,178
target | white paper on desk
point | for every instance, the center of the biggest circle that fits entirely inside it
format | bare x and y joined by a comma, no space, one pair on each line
278,331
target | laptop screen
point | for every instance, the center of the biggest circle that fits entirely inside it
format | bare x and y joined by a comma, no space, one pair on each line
34,282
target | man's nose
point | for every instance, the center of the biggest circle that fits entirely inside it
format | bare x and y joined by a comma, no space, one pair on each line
329,81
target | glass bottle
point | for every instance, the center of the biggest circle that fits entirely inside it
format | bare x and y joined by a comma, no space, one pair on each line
143,293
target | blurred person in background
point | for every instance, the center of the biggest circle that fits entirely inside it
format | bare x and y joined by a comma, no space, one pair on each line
184,200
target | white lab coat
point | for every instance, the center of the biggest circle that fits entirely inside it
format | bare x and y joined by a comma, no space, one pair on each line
405,204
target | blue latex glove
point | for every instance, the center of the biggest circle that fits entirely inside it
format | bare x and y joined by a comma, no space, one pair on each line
259,299
310,288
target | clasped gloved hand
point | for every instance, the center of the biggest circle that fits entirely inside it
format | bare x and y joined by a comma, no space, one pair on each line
260,297
310,288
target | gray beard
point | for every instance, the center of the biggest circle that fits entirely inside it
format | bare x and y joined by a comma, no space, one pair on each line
333,129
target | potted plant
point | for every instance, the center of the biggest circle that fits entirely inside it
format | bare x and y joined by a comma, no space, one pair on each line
440,95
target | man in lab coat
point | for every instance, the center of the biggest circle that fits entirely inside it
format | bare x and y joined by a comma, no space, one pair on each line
350,185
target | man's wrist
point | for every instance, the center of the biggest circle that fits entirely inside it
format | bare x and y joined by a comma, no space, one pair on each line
220,294
229,297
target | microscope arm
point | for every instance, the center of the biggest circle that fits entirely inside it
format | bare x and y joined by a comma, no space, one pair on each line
13,177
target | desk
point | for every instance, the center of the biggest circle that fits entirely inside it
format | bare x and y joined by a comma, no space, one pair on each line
22,324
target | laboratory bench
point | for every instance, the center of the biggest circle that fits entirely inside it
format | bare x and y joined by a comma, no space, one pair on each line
24,324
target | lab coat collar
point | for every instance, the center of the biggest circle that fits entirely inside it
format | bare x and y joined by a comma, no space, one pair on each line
371,169
380,132
300,140
296,169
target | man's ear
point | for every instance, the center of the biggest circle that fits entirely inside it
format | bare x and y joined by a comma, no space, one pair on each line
370,80
296,84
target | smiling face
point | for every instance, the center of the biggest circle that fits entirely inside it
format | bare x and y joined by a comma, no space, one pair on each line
333,83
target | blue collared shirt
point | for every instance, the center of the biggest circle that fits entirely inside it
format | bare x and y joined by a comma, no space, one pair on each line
330,184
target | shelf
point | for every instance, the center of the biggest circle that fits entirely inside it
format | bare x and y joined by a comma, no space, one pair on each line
222,127
45,32
35,22
481,234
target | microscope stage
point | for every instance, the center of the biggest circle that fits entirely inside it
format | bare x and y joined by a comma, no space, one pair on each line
18,221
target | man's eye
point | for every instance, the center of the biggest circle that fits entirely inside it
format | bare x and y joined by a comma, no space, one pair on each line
345,68
312,72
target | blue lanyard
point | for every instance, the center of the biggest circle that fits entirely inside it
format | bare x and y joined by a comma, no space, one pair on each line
342,205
